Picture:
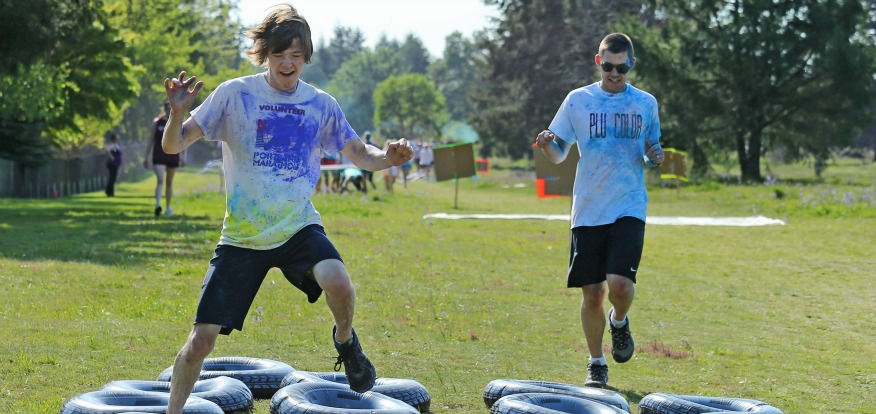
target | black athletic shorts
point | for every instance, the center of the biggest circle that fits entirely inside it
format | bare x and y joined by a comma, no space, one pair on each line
235,275
596,251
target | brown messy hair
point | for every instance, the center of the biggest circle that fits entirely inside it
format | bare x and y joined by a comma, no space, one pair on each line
280,28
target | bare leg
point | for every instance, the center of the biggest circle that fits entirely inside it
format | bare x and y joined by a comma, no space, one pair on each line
621,291
160,170
188,363
593,317
332,277
168,189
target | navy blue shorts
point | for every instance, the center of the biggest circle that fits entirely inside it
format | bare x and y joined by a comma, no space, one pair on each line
235,275
611,248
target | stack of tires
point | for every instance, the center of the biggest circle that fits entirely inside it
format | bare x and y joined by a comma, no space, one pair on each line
231,384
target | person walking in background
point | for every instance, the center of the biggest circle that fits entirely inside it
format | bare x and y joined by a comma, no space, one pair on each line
427,158
163,164
406,171
390,175
113,150
273,126
369,175
617,129
330,178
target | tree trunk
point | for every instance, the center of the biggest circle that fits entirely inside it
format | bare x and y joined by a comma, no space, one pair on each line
749,156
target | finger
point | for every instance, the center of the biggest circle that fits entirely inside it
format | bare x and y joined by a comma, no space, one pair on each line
197,87
190,80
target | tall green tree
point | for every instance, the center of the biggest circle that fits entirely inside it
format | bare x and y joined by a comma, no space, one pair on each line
455,75
78,72
749,75
354,83
166,36
409,106
327,59
415,55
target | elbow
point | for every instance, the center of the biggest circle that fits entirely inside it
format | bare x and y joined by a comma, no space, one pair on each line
169,149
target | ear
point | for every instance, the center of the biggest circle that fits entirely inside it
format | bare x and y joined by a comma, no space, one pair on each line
633,62
598,60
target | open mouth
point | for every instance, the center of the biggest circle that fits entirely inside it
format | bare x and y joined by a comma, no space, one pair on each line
290,73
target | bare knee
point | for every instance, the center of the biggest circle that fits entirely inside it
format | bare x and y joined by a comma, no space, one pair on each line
200,343
332,277
621,287
594,295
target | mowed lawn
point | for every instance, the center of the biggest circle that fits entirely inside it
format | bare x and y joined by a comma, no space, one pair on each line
96,289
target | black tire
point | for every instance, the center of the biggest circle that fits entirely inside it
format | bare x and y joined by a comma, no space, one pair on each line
411,392
231,395
497,389
261,376
333,398
112,402
549,403
659,403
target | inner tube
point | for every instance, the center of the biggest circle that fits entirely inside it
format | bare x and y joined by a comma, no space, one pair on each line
499,388
549,403
660,403
261,376
114,401
228,393
411,392
326,397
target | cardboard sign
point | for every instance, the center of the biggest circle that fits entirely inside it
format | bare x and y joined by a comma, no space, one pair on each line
454,161
554,180
674,165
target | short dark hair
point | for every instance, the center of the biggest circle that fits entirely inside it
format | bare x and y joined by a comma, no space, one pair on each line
617,43
279,30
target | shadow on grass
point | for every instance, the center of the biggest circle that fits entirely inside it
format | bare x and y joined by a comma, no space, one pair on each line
91,229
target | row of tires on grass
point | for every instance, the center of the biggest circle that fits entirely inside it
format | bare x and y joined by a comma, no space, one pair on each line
544,397
231,384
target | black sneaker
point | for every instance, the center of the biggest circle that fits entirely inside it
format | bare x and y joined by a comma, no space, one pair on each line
622,345
157,211
597,375
359,370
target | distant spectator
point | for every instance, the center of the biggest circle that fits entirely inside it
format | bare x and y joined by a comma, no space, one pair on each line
427,158
356,177
369,175
114,161
163,164
406,171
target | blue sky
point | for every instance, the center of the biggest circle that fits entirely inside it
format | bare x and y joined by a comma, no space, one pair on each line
430,20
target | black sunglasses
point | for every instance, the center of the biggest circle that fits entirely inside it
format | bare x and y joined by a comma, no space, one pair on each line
622,69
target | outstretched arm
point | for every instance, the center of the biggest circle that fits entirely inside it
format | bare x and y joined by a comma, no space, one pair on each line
371,158
553,147
178,135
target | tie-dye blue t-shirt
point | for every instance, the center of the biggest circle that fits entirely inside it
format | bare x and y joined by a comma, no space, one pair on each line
271,151
611,130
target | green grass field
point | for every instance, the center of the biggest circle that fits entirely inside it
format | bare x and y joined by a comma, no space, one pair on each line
97,289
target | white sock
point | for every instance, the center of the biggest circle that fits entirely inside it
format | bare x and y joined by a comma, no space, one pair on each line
614,323
599,361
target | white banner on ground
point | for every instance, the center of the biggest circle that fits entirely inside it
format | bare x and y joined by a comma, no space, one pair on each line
658,220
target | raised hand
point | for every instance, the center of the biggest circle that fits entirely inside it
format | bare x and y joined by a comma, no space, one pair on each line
180,93
545,138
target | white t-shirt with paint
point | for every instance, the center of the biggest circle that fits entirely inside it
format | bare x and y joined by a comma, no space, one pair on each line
271,151
611,130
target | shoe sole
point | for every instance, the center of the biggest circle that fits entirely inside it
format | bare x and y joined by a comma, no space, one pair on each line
595,384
